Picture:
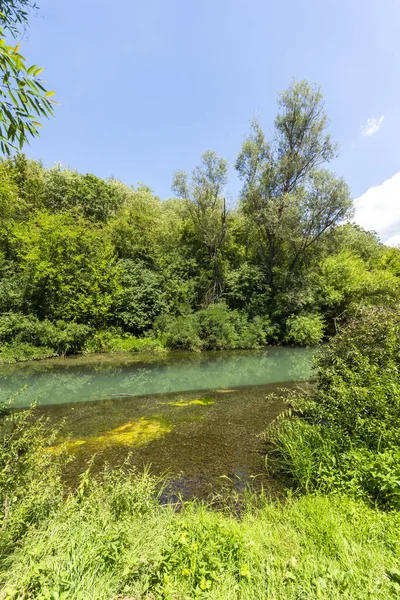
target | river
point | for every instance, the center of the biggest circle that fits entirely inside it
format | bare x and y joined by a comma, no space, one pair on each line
198,417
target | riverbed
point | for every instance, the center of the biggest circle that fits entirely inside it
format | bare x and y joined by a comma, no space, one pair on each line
198,417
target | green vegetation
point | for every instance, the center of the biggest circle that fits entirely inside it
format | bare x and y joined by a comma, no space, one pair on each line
92,265
112,538
347,437
23,97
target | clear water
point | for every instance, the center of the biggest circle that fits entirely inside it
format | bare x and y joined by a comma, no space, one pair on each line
105,376
198,417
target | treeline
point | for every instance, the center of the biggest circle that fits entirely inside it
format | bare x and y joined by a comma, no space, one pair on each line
88,264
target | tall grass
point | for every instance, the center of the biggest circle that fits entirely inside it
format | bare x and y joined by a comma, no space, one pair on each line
112,538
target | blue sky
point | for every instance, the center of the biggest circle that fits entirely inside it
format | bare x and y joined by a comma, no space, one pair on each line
146,87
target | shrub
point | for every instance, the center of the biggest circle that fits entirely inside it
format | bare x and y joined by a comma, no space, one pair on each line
181,333
214,328
30,484
351,437
358,378
115,340
26,331
19,352
306,330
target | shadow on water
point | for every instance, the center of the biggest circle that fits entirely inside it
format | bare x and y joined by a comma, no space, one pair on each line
196,417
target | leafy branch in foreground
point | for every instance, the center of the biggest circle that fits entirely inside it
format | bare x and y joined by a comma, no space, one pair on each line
15,13
23,98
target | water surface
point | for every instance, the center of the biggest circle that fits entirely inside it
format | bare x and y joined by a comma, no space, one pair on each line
197,416
95,377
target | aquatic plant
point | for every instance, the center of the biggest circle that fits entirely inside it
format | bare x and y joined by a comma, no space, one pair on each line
134,433
198,401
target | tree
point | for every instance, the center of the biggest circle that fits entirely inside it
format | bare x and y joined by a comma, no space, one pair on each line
67,268
23,97
206,205
290,199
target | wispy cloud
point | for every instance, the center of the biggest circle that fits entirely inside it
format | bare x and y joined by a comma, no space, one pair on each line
373,125
379,210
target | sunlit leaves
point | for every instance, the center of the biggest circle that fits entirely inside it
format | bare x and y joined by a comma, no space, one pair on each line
23,97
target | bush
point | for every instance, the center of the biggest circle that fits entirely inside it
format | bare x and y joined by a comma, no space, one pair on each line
115,340
181,333
214,328
358,378
20,352
30,484
306,330
24,331
350,439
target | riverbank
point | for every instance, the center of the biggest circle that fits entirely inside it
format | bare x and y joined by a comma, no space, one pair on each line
114,540
115,537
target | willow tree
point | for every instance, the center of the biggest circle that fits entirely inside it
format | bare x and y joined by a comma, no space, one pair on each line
24,99
203,193
289,197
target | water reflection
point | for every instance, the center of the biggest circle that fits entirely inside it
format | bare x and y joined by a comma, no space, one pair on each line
76,380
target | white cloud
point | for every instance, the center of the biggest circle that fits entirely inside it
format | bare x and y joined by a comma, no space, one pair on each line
373,125
393,241
379,210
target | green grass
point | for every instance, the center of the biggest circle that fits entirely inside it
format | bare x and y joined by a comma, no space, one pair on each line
114,538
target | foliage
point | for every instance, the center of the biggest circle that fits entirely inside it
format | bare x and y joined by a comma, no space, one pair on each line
23,351
112,538
141,297
30,485
278,268
15,13
27,338
214,328
94,198
203,196
290,199
115,340
350,438
359,377
68,268
344,279
305,330
23,97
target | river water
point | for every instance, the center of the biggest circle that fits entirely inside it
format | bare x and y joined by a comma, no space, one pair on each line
198,417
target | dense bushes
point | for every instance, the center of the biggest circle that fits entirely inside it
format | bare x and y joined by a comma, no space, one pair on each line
305,330
348,438
25,337
214,328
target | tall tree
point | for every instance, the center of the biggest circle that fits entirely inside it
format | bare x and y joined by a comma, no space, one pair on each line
206,205
290,199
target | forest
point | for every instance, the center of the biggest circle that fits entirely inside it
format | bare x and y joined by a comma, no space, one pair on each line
94,265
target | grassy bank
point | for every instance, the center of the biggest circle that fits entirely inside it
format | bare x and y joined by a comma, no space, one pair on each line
114,540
